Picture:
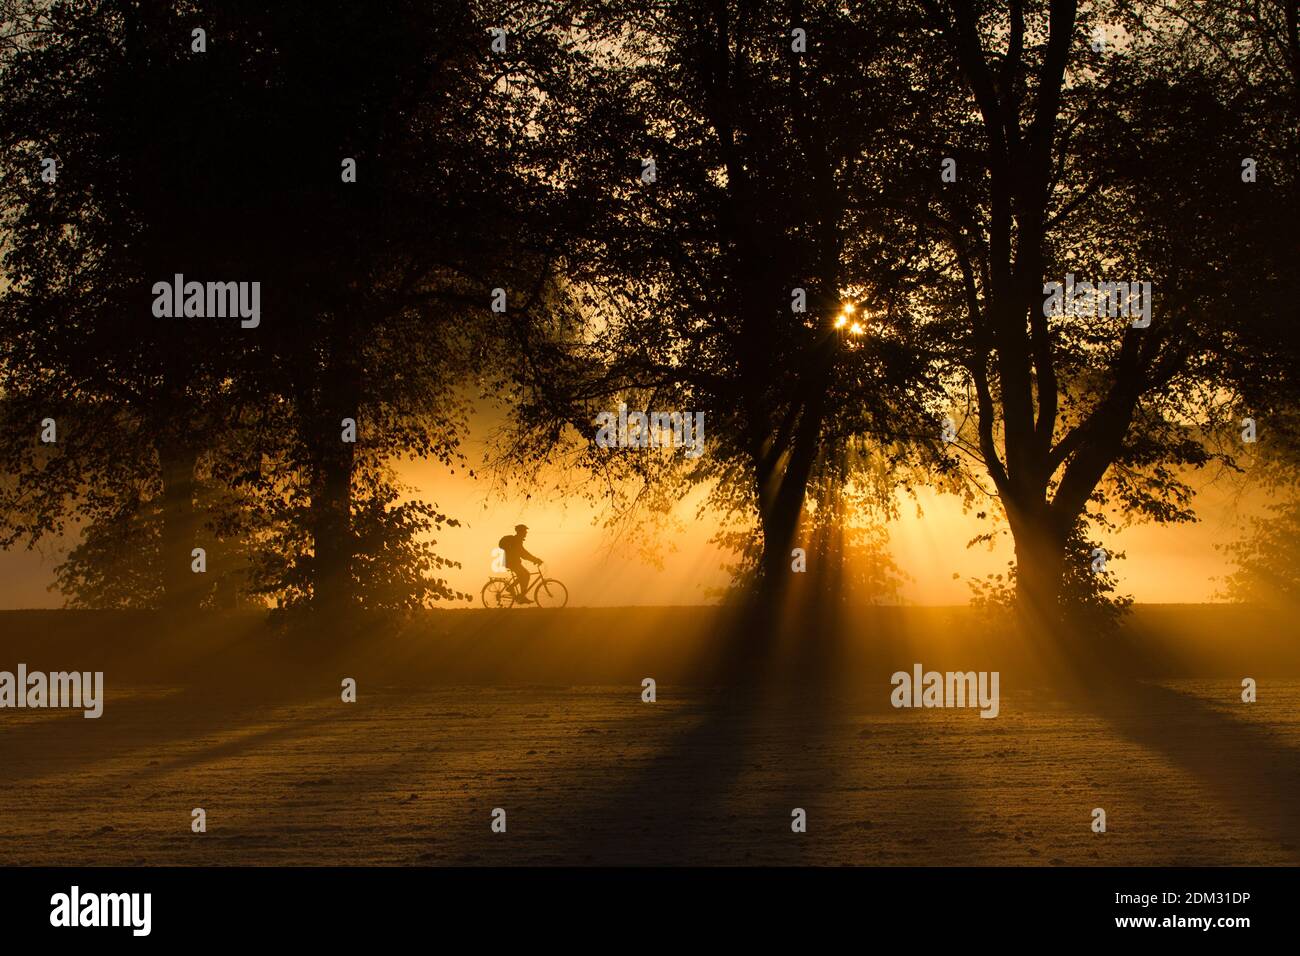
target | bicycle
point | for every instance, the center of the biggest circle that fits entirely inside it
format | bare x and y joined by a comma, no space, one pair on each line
545,592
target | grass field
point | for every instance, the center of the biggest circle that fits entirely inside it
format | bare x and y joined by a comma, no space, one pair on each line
540,713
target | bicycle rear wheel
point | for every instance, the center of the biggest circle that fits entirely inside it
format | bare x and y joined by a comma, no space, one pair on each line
498,593
551,593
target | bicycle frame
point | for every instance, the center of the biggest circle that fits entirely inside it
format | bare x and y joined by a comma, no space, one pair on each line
535,582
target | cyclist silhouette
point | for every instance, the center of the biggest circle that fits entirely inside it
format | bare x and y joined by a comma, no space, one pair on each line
516,555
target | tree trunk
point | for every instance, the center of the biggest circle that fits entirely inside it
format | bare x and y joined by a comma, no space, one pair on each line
333,460
780,524
1040,566
331,524
781,498
182,588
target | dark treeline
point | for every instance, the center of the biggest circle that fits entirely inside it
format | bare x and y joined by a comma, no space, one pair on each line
826,226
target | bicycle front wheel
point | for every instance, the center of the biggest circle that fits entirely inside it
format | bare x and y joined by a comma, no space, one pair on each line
551,593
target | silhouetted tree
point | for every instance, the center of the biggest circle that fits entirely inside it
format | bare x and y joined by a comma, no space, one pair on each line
717,280
133,191
229,164
1109,160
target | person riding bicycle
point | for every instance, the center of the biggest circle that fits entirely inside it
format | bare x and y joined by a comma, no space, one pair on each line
516,555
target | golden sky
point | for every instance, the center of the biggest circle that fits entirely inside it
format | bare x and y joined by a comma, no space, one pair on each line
1171,564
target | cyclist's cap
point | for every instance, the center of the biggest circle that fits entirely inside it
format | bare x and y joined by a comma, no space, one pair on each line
521,527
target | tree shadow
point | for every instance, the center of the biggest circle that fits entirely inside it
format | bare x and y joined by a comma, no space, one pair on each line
1240,764
763,709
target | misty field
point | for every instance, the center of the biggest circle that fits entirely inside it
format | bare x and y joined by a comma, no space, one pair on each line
541,714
